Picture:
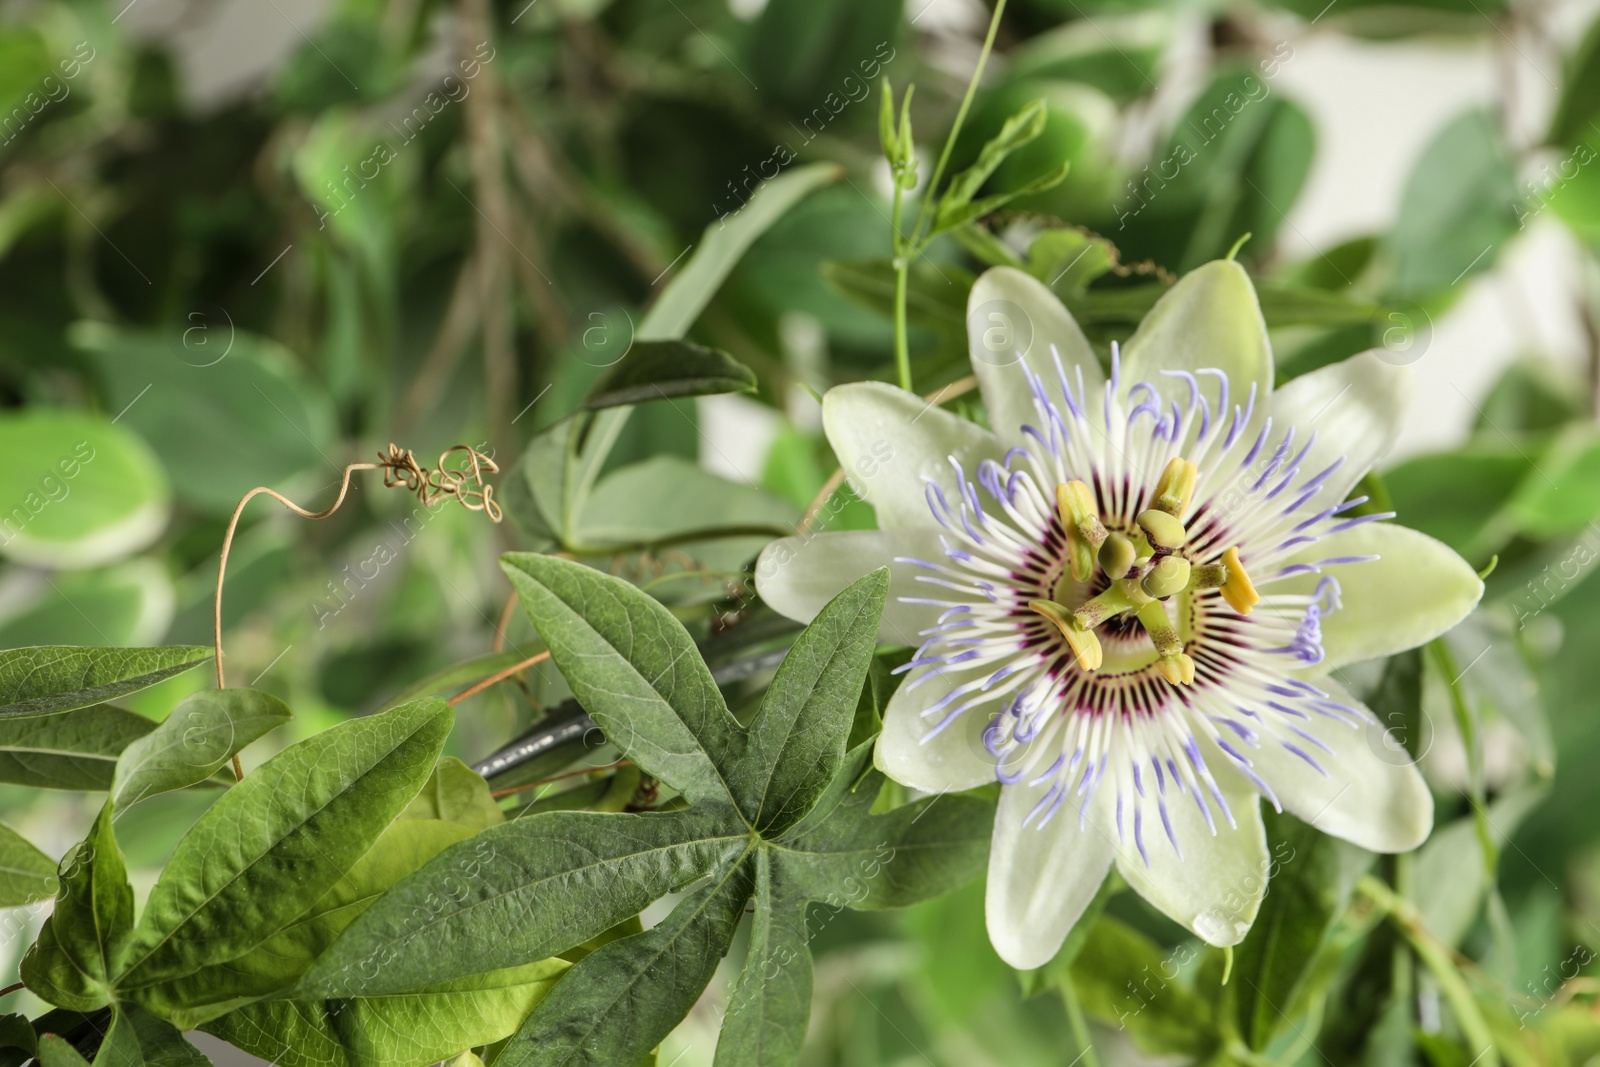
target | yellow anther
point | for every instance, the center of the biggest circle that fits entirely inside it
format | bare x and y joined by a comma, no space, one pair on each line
1237,589
1177,668
1083,642
1081,520
1176,486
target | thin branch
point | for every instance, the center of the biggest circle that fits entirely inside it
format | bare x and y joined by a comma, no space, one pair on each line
498,676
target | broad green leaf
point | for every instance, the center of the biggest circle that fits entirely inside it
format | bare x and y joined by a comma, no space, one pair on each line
405,1029
139,1039
1018,130
16,1033
1125,979
275,843
771,1002
51,678
262,420
56,1052
1461,497
72,750
817,57
1308,885
797,739
456,793
26,874
657,370
72,965
841,854
1451,880
276,964
634,668
671,500
192,743
617,1004
1458,207
721,246
1562,494
77,490
524,890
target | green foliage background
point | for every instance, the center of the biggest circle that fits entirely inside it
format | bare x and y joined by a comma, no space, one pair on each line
502,224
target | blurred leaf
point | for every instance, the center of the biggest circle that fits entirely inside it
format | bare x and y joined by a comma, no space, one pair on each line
721,246
129,603
456,793
1068,260
1573,121
1307,888
1450,876
73,962
56,1052
418,1026
822,57
73,750
26,874
260,421
1530,396
670,500
1234,164
78,490
264,852
192,743
1561,495
1119,56
51,678
1128,981
1458,207
656,370
1460,497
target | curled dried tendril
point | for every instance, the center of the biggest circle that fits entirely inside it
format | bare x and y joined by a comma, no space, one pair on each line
400,468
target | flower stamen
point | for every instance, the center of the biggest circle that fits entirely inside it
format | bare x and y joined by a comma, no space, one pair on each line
1237,588
1081,520
1081,639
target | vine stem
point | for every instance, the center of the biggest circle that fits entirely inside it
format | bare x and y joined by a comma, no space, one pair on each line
12,988
498,676
902,340
1079,1026
227,545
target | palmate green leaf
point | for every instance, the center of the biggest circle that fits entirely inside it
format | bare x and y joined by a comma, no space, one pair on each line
798,736
1308,886
50,678
194,741
456,793
634,669
270,847
522,891
26,874
72,750
276,964
72,964
656,370
623,998
139,1039
391,1030
771,1002
956,217
547,883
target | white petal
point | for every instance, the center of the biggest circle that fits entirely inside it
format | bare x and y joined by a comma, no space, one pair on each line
888,441
1013,320
1215,887
1416,590
1354,407
1041,878
950,760
797,576
1211,318
1371,794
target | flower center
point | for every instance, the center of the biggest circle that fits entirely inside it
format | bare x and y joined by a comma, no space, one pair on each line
1145,566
